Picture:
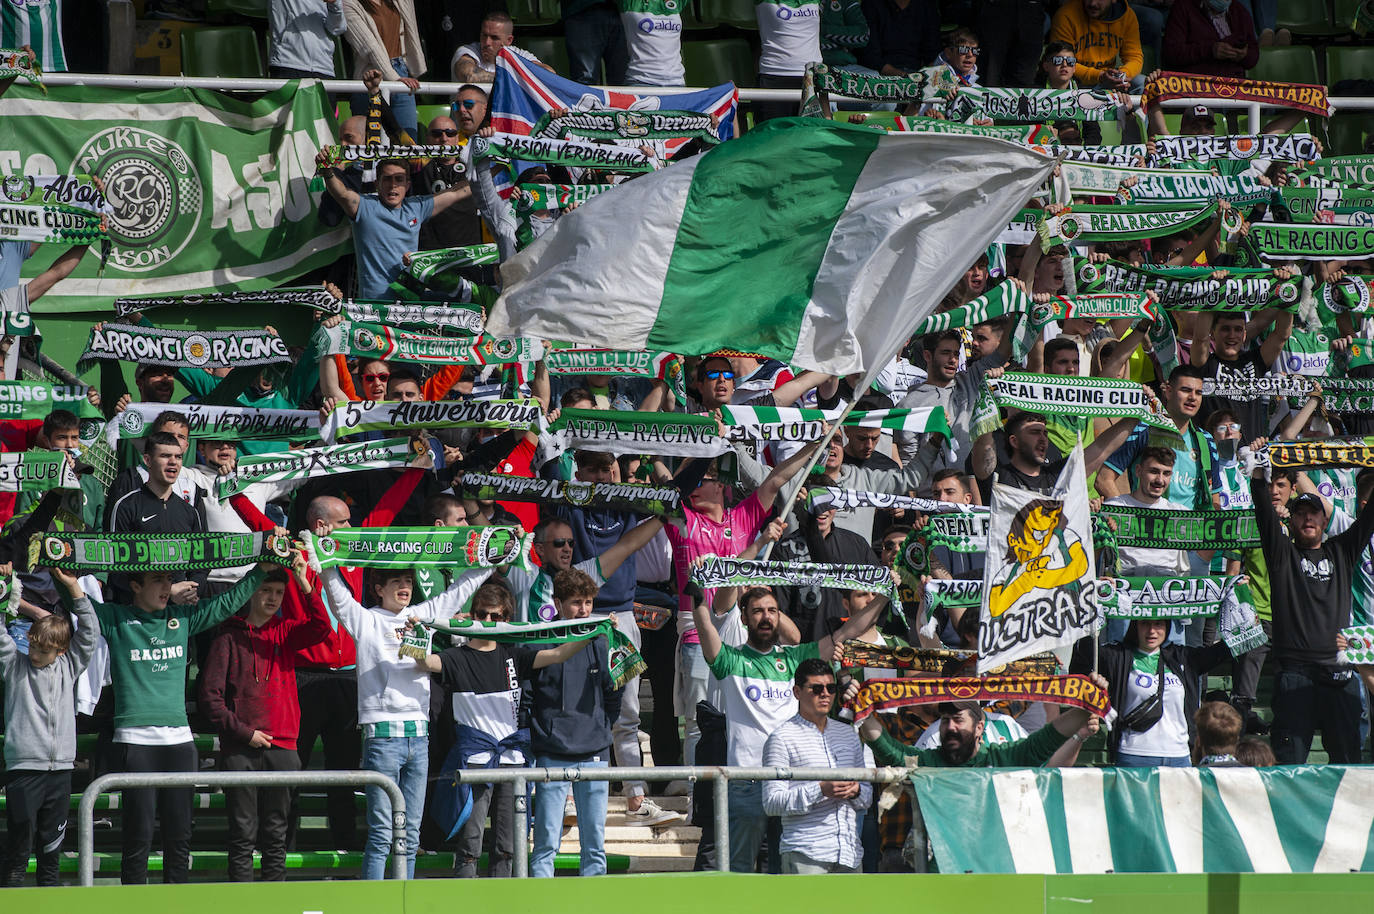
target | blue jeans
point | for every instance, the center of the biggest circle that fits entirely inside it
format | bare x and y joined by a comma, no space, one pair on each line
748,824
592,36
404,759
589,798
1151,21
402,104
1126,760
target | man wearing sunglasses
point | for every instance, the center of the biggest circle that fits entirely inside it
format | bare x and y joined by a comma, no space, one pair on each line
819,818
459,225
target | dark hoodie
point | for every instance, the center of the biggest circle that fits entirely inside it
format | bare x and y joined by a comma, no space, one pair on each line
249,680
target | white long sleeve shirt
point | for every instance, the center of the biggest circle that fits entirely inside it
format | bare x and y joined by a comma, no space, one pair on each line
393,691
823,828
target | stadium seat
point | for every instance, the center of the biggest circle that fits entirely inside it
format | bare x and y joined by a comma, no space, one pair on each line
718,60
551,50
1349,62
1347,132
1306,17
255,9
739,13
530,12
1296,64
1344,18
229,51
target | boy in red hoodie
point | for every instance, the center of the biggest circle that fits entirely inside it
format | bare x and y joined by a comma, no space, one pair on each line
248,690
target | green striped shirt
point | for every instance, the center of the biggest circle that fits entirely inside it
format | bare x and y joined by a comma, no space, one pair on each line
37,23
389,729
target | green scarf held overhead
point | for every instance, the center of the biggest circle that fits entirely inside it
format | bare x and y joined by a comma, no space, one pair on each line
1199,187
786,423
1323,453
16,64
1106,180
436,317
636,363
716,571
535,198
183,348
512,147
1031,134
1294,241
606,496
1033,106
1193,288
1094,306
372,153
404,415
35,400
377,341
219,423
177,552
1072,396
1359,353
11,590
425,265
626,663
1001,300
614,124
1118,223
927,85
1305,203
1352,170
67,191
1153,528
1290,147
36,471
314,462
1346,395
320,300
624,432
404,548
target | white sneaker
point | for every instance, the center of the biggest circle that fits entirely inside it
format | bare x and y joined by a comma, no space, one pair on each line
569,811
650,813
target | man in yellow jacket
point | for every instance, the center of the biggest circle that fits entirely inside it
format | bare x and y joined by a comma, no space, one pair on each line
1106,39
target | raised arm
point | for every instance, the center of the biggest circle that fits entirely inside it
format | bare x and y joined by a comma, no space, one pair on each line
211,611
855,625
345,196
634,540
770,487
448,604
795,389
701,616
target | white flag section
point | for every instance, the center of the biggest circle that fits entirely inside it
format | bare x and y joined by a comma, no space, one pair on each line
816,243
1039,580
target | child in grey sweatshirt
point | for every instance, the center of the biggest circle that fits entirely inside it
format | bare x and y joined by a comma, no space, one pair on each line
40,733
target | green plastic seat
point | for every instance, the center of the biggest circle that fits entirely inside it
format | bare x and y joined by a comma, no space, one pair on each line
1295,64
691,18
254,9
549,49
1347,132
1306,17
1349,62
738,13
530,13
228,51
427,113
1344,17
718,60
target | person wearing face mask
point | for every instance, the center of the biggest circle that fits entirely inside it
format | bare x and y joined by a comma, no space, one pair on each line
1211,37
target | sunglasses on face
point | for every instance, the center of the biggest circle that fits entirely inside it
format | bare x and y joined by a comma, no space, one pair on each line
1227,427
890,547
705,480
1061,60
717,374
381,377
443,131
968,49
822,688
468,103
558,544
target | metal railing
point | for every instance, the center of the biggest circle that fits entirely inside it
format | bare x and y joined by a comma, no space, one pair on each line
521,778
85,815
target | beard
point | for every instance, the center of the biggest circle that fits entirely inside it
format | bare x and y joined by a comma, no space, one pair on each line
957,750
763,638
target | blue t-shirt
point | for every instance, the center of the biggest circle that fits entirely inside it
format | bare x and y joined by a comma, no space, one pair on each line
12,257
1183,487
382,236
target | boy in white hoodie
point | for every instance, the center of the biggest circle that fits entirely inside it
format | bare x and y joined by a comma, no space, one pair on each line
393,695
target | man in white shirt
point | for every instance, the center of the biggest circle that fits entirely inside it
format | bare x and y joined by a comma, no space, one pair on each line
476,62
819,818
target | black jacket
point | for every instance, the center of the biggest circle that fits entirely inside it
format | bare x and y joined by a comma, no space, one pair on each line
574,703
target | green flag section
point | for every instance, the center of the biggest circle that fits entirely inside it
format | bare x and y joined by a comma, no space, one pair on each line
1299,819
411,547
817,243
210,192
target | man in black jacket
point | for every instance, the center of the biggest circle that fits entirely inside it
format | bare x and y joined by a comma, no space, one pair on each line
1309,583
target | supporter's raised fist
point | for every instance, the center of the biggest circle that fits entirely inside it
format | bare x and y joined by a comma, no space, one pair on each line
123,403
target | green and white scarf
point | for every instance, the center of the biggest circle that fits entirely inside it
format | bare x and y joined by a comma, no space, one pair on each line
35,400
1358,354
1153,528
964,532
1021,229
636,363
1105,180
1033,106
21,65
305,296
74,191
778,423
624,432
437,317
578,154
1266,387
11,590
403,415
1193,288
1347,395
1118,223
1294,241
1291,147
717,571
1199,187
1361,647
1355,170
1059,395
378,341
218,423
614,124
945,595
405,548
1094,306
626,663
313,462
50,224
1157,597
372,153
536,198
824,498
1116,156
1306,203
36,471
1001,300
183,348
175,552
1030,134
611,496
927,85
425,267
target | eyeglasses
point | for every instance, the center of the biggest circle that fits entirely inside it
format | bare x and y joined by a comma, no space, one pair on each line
822,688
890,547
558,544
705,479
719,373
443,131
481,615
968,49
1063,60
468,103
1227,427
381,377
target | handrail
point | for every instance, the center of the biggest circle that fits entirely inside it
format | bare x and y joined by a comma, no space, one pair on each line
85,815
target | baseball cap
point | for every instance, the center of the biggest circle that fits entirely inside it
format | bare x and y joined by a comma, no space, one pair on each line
1199,111
1310,500
147,367
954,707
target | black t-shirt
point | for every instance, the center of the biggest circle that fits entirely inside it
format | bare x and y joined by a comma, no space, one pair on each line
457,226
1253,414
1009,475
486,686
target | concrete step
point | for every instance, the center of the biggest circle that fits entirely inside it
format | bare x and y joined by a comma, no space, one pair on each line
639,834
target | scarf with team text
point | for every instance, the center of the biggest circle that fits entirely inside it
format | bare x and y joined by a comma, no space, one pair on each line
1313,241
1300,96
606,496
536,198
1193,288
936,660
616,124
635,363
378,341
1073,396
787,423
717,571
624,432
176,552
183,348
626,662
512,147
440,318
1031,134
21,65
372,153
306,297
314,462
75,191
1155,528
50,224
405,548
1118,223
1033,106
824,498
821,80
890,694
36,471
403,415
218,423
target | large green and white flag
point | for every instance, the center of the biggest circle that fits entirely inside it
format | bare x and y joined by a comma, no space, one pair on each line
817,243
1298,819
210,192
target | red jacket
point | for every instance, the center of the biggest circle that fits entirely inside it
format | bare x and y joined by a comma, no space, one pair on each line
1189,38
249,680
16,435
337,651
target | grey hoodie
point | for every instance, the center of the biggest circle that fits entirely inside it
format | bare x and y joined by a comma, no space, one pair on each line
40,710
